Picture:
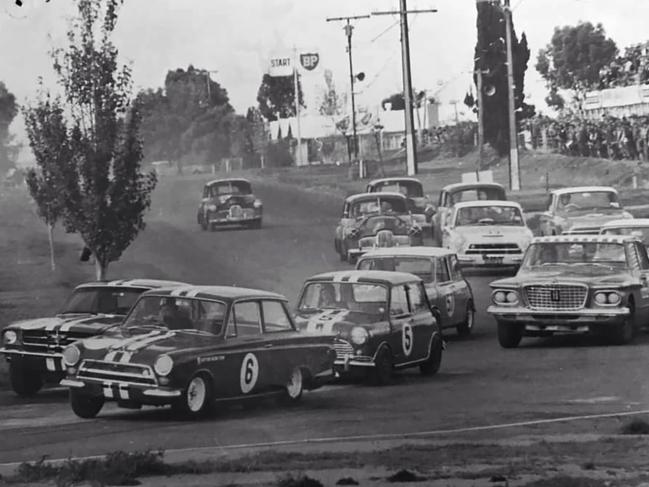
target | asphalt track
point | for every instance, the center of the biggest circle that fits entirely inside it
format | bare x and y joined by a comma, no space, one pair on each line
479,384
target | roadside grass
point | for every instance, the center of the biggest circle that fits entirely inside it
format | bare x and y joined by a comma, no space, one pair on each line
636,426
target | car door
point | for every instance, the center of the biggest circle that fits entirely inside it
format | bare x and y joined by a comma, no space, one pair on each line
642,307
280,341
401,339
446,291
461,289
421,320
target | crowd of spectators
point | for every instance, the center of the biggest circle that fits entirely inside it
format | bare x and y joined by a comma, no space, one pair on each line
628,69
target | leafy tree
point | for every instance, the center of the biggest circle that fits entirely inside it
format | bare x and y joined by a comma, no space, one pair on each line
276,96
105,194
8,110
575,56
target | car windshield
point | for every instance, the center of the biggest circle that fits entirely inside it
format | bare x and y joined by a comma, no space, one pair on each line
546,254
588,200
176,313
358,297
641,232
410,189
419,266
379,205
489,215
476,194
101,300
230,187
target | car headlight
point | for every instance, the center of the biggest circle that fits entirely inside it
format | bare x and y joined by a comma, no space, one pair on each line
71,355
211,207
163,365
610,298
505,297
257,204
9,337
359,335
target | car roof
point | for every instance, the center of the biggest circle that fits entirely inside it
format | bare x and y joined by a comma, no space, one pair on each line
393,179
418,251
380,277
586,239
470,204
372,196
227,180
583,189
627,223
456,186
134,283
221,293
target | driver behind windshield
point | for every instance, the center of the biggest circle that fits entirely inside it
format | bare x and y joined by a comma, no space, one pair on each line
172,316
327,298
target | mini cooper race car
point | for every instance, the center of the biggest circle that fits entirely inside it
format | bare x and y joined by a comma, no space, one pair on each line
637,227
190,346
575,284
383,321
487,233
229,202
34,347
462,192
581,210
448,292
420,205
373,220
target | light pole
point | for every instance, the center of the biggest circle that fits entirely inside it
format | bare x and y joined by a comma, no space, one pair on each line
514,172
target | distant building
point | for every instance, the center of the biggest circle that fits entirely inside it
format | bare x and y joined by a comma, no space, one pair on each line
622,101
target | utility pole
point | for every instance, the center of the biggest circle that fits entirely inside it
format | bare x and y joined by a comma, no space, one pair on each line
298,152
411,146
480,125
514,173
349,28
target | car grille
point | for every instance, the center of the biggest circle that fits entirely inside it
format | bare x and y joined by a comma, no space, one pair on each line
116,372
493,248
53,341
343,348
582,231
556,296
236,211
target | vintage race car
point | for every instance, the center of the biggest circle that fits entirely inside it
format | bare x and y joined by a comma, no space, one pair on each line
449,293
457,193
581,210
383,321
229,202
420,205
188,347
487,233
575,284
373,220
34,347
638,227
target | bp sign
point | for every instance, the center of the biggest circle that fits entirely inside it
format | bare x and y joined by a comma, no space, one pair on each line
309,61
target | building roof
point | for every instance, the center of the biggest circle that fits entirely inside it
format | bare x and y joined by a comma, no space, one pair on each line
583,189
627,223
483,203
393,180
221,293
379,277
457,186
618,239
134,283
372,196
227,180
418,251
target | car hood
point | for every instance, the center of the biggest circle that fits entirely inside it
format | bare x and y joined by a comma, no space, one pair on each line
592,217
74,323
333,321
494,233
590,275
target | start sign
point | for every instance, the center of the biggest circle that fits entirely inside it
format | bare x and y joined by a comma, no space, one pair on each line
280,66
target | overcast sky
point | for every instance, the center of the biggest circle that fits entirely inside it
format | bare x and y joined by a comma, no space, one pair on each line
236,37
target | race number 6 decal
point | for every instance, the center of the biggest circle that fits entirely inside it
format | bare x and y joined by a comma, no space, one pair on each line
407,339
249,373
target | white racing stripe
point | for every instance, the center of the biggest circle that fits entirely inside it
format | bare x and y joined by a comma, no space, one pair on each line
148,341
128,341
51,366
126,357
108,390
123,392
67,325
110,356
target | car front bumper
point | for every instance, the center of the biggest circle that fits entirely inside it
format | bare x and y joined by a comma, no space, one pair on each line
128,392
542,321
490,260
50,362
231,220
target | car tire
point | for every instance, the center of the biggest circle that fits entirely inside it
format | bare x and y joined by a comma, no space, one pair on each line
196,397
434,362
624,333
84,405
295,386
381,373
509,336
255,225
25,379
465,328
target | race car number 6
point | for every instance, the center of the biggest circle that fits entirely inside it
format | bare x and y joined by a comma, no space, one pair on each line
406,339
249,373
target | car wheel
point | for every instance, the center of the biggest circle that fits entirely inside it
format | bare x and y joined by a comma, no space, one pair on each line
295,386
465,328
624,333
509,336
381,373
433,363
84,405
195,398
25,379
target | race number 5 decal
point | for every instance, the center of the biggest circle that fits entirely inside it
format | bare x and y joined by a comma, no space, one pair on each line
407,339
249,373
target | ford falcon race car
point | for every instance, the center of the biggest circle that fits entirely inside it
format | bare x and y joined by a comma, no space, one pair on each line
382,320
638,227
373,220
229,202
449,293
419,204
188,347
33,348
581,210
575,284
461,192
487,233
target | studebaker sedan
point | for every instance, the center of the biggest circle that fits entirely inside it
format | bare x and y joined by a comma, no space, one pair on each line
487,233
581,210
462,192
383,321
575,284
188,347
449,293
34,347
420,205
638,227
373,220
229,202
